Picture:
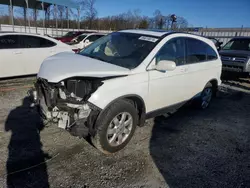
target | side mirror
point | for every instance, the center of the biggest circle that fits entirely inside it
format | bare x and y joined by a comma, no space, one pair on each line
220,43
165,65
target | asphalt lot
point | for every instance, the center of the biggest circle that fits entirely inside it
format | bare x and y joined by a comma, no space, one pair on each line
191,148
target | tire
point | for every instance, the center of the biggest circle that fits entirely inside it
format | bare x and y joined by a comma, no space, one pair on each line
207,94
107,122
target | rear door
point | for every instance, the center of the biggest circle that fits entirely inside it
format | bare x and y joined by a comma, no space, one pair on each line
35,49
11,57
203,65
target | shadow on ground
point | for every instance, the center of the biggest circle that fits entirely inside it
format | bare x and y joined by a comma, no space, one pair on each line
25,149
208,148
236,80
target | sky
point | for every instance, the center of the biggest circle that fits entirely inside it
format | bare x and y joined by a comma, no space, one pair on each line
199,13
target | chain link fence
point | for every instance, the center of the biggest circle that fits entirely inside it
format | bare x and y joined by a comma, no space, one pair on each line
223,34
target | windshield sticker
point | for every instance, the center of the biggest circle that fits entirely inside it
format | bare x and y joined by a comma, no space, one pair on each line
150,39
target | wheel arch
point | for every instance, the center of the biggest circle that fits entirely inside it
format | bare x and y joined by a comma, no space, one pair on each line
137,101
214,83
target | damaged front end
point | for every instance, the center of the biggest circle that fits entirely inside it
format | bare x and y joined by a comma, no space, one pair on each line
66,103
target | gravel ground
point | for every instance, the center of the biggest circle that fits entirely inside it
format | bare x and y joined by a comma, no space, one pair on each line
191,148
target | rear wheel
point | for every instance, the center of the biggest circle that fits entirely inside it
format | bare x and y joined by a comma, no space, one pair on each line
206,96
115,127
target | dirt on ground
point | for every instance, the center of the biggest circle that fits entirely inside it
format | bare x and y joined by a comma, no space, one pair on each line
190,148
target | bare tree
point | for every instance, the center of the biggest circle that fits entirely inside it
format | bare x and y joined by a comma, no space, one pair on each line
159,20
144,23
89,19
182,23
62,15
90,12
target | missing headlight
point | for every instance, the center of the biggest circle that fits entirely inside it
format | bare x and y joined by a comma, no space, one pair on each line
82,87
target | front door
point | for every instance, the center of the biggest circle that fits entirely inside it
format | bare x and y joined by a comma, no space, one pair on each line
169,88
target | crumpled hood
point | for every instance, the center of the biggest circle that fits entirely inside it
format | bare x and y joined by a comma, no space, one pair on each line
66,65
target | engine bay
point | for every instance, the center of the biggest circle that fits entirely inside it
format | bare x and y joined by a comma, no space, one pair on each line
66,103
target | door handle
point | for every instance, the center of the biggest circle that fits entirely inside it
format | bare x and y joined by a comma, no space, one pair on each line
17,52
52,51
184,69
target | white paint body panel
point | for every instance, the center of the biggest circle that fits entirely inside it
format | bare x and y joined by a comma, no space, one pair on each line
66,65
183,83
162,89
10,63
135,84
27,61
157,89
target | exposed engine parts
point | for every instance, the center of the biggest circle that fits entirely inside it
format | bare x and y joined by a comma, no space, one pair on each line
66,103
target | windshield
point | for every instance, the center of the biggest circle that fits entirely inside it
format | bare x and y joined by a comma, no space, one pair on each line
238,44
123,49
70,34
80,38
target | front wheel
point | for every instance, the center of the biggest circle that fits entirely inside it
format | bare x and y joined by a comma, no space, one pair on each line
115,127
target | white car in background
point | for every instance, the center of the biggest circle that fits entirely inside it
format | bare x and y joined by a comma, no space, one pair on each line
22,54
113,85
82,41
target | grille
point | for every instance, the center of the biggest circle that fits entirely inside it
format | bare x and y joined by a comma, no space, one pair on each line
234,68
234,59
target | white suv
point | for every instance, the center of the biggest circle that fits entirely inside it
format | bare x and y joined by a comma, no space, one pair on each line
122,79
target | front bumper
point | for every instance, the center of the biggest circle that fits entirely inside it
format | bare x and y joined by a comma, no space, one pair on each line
70,114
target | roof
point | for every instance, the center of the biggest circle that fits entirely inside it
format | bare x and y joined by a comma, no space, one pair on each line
19,33
66,3
37,3
157,33
163,33
152,32
7,32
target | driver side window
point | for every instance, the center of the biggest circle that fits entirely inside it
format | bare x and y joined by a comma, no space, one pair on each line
173,50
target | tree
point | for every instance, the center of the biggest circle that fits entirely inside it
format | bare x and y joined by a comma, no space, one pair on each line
90,12
144,23
131,19
181,23
159,19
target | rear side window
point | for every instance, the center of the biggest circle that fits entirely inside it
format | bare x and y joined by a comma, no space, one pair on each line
211,54
9,41
198,51
35,42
